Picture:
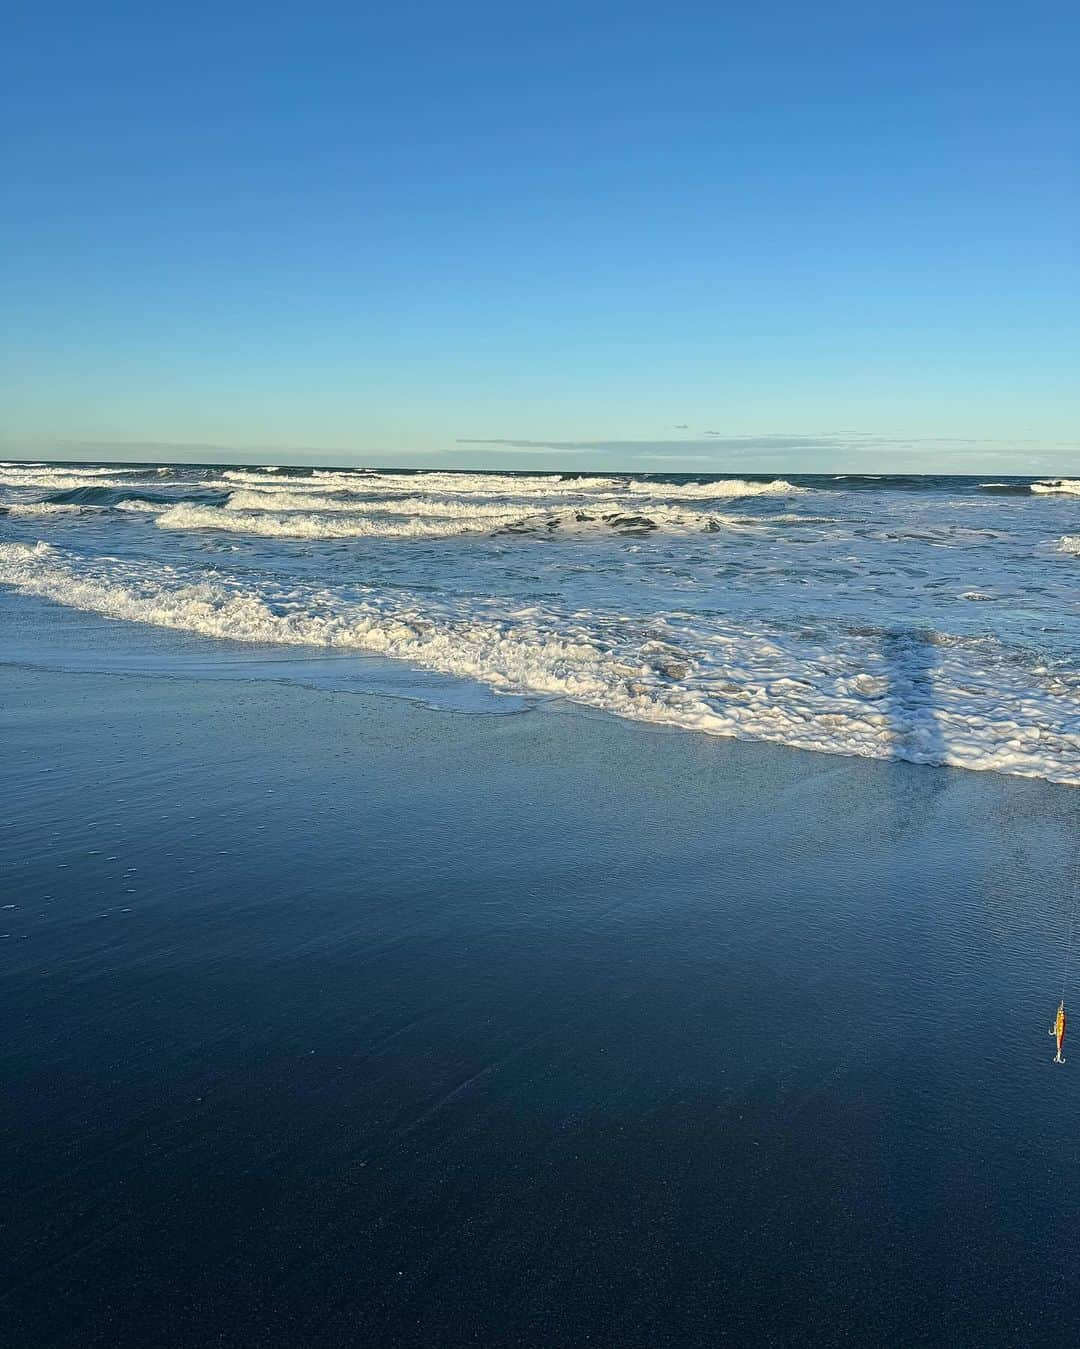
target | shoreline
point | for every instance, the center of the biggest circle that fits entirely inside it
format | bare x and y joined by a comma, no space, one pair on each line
107,644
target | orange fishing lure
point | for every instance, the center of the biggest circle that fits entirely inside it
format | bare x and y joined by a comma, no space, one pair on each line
1057,1030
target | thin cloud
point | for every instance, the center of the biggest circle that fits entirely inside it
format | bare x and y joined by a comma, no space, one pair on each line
748,443
678,458
522,447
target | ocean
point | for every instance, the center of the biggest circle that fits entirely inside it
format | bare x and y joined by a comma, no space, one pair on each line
932,619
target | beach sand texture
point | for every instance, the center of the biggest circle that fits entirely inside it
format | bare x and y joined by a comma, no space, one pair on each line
333,1019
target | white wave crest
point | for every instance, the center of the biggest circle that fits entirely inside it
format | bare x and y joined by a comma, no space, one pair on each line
256,475
143,507
1057,486
32,509
466,484
431,519
309,501
507,487
728,487
297,525
60,483
64,470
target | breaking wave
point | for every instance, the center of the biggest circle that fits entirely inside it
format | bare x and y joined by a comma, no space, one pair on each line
726,487
297,525
53,481
309,501
467,484
30,509
1057,486
346,520
867,694
46,472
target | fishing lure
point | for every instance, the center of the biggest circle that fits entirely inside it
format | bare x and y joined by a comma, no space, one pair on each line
1057,1030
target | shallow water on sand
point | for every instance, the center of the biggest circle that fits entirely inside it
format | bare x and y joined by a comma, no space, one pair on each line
337,1020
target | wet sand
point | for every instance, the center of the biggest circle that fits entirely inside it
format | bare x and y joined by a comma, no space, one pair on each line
332,1019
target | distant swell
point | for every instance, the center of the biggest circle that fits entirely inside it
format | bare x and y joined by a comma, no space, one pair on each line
1007,488
116,496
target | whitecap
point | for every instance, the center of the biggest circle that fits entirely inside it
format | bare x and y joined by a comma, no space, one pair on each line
1053,486
31,509
298,525
725,487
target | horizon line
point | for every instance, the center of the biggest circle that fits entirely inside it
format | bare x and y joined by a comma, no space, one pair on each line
554,472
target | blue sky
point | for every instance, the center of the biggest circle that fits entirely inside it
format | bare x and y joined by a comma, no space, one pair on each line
589,234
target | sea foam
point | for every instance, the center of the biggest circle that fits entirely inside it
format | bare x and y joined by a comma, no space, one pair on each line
446,507
923,697
33,509
297,525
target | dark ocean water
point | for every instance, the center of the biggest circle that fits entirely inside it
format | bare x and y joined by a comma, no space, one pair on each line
334,1020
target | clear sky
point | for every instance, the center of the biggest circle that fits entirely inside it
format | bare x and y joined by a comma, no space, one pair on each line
562,234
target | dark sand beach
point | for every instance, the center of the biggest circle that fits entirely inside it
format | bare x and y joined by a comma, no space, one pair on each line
334,1019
